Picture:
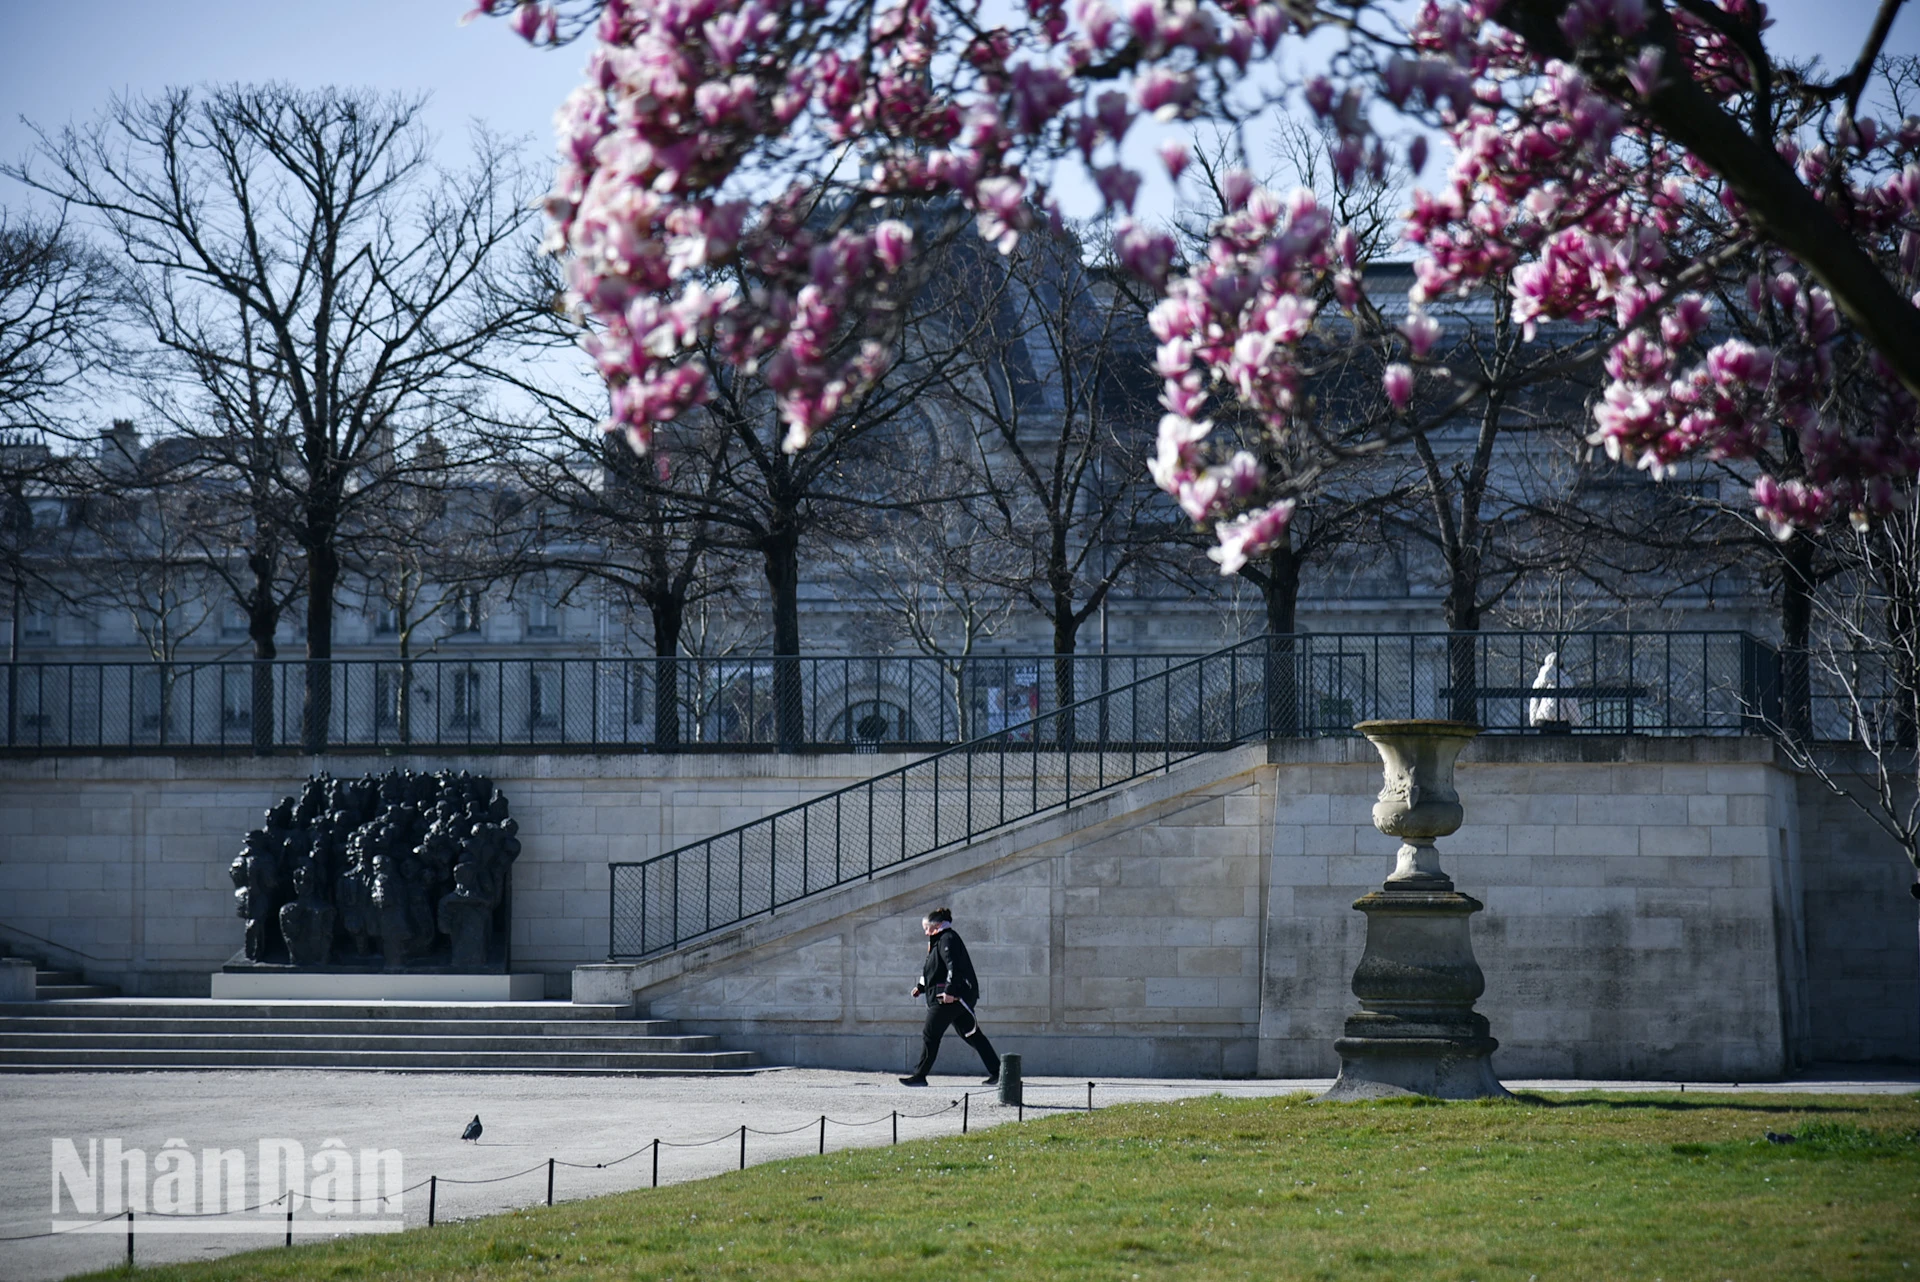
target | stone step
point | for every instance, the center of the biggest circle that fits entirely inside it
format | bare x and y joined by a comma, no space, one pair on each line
48,977
523,1070
392,1027
211,1008
418,1060
73,992
349,1039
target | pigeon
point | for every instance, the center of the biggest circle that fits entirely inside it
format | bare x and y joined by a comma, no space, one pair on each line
1776,1138
473,1129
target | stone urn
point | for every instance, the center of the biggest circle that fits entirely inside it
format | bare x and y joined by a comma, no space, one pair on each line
1417,803
1416,1032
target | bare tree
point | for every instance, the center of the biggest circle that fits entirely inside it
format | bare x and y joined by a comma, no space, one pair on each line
296,257
596,513
929,572
147,519
1053,385
1862,738
56,295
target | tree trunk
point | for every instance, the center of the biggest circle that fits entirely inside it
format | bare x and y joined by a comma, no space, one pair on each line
1279,584
323,575
1796,633
1463,629
669,616
263,621
1066,637
781,552
13,670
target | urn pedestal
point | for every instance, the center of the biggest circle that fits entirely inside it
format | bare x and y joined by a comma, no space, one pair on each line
1416,1032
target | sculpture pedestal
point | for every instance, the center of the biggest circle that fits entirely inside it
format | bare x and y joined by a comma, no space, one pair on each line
1416,1032
396,986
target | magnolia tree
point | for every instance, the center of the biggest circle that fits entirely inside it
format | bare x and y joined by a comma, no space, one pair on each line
741,180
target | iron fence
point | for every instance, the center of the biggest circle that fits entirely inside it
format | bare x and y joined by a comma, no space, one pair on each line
759,703
1050,761
1310,684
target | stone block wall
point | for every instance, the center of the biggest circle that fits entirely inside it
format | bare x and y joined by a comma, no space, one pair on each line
122,862
1630,927
1862,924
1123,942
1667,908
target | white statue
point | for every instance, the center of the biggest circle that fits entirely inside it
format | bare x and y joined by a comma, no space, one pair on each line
1552,708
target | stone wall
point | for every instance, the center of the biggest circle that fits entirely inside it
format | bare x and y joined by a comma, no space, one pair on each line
1646,917
1123,938
1630,927
1863,968
1677,908
122,862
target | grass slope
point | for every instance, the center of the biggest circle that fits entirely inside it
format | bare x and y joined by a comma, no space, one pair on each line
1592,1186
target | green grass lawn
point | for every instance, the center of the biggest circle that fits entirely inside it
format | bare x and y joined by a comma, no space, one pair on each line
1549,1187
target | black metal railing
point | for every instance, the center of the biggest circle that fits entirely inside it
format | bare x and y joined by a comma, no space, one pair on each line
1610,682
1308,684
844,703
1048,762
1320,684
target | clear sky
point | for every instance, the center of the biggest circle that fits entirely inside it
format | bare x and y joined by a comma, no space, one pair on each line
61,61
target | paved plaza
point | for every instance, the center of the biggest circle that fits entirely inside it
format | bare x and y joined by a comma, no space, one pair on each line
528,1119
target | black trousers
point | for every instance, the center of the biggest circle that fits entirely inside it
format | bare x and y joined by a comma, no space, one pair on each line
941,1016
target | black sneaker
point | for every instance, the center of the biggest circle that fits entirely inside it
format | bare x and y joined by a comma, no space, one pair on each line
991,1081
913,1081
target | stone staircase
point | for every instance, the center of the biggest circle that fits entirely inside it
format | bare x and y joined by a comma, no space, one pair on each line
156,1033
51,984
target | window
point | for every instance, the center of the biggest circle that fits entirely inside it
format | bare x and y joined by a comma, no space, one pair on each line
389,692
871,721
543,618
236,697
30,689
463,707
386,622
233,622
37,626
467,612
543,698
1336,694
640,678
153,697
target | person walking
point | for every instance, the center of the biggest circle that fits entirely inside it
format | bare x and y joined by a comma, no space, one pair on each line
953,994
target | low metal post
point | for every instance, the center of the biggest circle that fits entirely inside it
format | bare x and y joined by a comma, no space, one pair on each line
656,1163
896,1126
289,1219
549,1181
1089,1097
964,1099
433,1196
743,1146
823,1134
129,1238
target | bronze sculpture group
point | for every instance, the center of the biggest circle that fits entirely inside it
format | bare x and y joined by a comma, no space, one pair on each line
406,870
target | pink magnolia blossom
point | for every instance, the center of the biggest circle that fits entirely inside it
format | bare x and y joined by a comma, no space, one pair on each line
1250,535
1563,190
1397,383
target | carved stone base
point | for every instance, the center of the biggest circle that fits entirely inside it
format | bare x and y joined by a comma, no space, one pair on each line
1416,1032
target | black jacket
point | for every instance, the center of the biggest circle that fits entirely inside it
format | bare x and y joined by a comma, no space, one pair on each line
949,969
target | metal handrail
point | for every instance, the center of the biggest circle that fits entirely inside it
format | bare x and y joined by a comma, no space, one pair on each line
847,703
1304,684
887,820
